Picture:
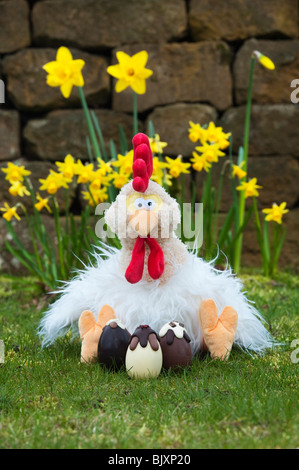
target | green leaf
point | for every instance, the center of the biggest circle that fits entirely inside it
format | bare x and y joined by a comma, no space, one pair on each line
240,156
151,129
113,151
226,227
100,136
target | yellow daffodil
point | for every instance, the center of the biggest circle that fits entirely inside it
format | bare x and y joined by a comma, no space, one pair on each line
103,167
215,135
15,172
18,189
156,144
124,163
199,162
237,171
276,212
177,166
130,72
97,180
168,179
84,172
120,179
264,60
67,167
64,72
95,197
53,182
210,152
9,212
196,132
42,202
250,188
158,170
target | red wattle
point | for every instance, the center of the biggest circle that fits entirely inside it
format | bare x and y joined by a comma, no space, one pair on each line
135,269
155,260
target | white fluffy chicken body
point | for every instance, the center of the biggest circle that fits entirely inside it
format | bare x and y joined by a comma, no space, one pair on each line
175,296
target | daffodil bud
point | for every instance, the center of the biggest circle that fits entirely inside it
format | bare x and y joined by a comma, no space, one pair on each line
264,60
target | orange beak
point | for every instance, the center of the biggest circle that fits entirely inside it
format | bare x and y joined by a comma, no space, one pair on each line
143,222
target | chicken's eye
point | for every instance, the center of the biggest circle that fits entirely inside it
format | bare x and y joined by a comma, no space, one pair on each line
150,204
139,203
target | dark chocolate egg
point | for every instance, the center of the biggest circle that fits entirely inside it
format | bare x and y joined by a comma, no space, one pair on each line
113,345
175,345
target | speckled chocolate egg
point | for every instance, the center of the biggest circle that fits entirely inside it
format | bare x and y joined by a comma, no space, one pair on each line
175,345
113,345
144,354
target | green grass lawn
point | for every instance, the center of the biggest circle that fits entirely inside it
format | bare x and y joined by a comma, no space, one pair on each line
48,399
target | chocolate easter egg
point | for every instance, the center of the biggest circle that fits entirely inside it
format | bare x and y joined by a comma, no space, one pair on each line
144,355
175,345
113,345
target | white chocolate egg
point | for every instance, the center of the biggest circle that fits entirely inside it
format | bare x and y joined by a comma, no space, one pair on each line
144,355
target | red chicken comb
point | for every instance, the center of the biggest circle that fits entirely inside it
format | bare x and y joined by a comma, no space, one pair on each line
142,162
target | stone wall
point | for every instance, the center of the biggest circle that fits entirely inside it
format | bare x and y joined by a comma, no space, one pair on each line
199,51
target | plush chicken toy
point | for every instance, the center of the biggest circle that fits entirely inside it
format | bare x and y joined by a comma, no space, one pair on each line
154,279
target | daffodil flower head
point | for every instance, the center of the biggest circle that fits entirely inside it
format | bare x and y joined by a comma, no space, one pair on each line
156,144
215,135
211,152
124,163
120,179
18,189
9,212
199,162
176,166
197,132
238,171
65,72
104,167
250,187
264,60
67,167
41,203
276,212
53,182
158,170
97,180
84,172
130,72
15,173
96,196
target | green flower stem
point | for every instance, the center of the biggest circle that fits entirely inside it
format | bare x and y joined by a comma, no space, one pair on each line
278,241
100,135
37,256
59,238
260,237
91,130
238,246
91,195
135,113
218,199
39,225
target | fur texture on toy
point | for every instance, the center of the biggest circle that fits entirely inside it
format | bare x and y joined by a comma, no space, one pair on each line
154,278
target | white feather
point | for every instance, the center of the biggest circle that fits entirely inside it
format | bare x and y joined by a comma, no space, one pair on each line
155,303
